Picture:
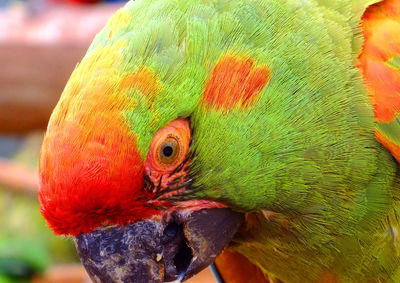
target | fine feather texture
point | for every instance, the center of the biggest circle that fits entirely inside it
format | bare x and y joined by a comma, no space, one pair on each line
297,152
92,162
234,82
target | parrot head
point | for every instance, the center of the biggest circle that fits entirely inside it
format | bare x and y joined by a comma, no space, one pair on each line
130,210
186,118
126,167
120,208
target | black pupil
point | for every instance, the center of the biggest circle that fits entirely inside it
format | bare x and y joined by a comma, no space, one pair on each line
167,151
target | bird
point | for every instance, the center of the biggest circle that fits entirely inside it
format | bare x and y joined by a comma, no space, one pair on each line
263,135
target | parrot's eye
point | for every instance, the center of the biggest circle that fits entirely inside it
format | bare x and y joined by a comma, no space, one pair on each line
169,150
169,146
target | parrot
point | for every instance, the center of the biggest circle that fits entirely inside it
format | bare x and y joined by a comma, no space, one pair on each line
263,135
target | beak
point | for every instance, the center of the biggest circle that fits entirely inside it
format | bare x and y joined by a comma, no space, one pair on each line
158,250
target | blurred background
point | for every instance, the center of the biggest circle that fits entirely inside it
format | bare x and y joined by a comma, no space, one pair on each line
41,41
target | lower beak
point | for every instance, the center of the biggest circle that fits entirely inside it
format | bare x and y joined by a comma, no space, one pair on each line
158,250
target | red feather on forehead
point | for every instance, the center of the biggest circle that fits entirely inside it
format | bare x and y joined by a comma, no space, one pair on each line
91,170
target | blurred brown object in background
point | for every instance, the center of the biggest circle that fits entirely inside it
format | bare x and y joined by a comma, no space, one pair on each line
17,177
39,48
66,273
31,84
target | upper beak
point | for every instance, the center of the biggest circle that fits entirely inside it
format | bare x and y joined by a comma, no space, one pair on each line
158,250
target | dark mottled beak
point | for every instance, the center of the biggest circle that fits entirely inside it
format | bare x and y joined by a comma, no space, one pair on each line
158,250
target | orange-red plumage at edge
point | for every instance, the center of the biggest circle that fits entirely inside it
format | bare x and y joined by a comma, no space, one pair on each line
381,31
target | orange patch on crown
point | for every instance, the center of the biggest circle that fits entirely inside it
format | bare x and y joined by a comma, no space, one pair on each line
235,82
381,29
145,80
